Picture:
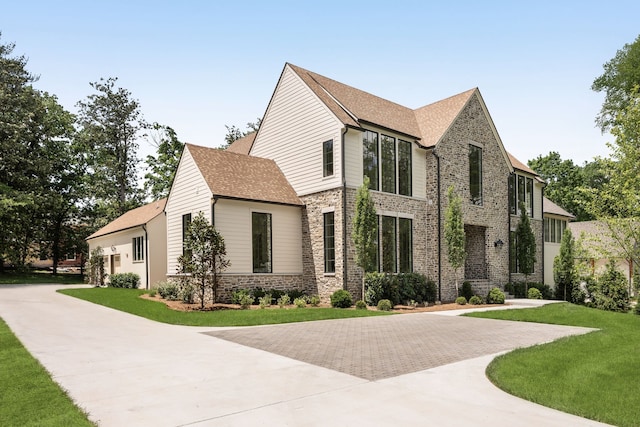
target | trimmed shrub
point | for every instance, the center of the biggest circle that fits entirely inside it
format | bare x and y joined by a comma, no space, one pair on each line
264,301
300,302
475,300
313,300
461,301
496,296
168,290
361,305
467,290
284,301
341,299
385,305
152,292
124,280
374,284
187,292
518,289
239,294
609,291
295,294
534,294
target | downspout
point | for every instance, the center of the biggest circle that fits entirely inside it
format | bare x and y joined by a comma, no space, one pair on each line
439,223
509,222
344,211
146,255
213,210
544,267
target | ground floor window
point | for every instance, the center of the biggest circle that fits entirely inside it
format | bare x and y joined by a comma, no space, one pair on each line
261,242
329,243
395,246
138,248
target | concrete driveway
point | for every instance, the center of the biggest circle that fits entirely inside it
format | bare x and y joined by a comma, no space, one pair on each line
416,369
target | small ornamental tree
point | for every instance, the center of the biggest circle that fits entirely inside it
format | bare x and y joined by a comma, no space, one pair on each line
526,247
454,233
365,231
564,270
206,259
96,267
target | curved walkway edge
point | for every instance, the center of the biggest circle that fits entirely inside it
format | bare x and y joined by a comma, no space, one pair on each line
127,370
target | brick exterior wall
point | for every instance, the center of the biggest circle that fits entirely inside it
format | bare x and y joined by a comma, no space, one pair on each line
472,127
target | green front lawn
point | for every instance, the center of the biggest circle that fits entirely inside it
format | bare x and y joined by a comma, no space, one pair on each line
13,278
128,300
28,395
595,376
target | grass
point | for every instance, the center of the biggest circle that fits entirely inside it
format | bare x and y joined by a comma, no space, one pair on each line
12,278
28,395
594,376
128,300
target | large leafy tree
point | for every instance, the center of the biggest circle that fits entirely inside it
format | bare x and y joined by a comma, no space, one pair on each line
111,123
620,76
38,166
365,231
454,233
162,167
567,182
234,133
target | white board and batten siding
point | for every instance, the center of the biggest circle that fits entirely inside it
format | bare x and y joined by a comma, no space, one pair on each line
294,127
189,194
233,221
353,162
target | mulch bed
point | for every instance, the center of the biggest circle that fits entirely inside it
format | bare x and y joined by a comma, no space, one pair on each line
180,306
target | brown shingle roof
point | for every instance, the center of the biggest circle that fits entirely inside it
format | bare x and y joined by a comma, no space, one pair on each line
355,107
242,145
549,207
239,176
435,119
132,218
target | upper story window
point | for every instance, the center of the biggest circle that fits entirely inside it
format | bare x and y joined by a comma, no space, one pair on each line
388,146
261,242
186,221
370,158
554,229
520,190
327,158
404,168
138,248
387,163
475,174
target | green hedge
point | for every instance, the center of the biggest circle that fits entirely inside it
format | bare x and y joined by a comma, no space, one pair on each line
124,280
399,288
518,289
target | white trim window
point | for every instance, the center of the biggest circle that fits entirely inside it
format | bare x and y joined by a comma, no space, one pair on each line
137,245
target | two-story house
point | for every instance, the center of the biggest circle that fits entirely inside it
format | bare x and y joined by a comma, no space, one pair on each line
323,138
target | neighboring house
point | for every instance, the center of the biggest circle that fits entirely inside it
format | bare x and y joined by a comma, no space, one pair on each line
251,204
556,221
599,247
135,242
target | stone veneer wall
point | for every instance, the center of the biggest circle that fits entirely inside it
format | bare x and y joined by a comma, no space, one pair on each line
316,281
232,282
391,205
472,126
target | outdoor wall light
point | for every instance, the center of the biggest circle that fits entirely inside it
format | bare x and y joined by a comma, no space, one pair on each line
498,243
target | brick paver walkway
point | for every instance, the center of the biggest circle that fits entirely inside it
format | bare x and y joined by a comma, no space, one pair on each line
374,348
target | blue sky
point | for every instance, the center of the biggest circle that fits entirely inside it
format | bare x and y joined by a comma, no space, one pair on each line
200,65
